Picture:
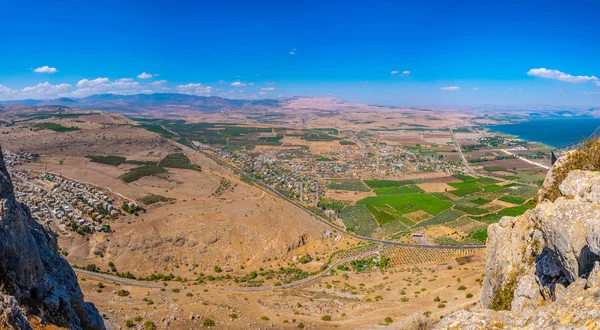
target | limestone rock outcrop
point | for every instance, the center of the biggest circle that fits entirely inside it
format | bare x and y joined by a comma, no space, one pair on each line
542,268
35,281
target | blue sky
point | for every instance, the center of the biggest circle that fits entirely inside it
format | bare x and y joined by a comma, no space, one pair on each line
458,53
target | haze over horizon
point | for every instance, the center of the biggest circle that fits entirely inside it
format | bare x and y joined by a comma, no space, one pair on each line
395,53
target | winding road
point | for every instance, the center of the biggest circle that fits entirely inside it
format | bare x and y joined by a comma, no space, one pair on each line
307,280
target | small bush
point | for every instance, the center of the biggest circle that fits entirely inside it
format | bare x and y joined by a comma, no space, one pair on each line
208,323
233,316
300,325
138,318
149,325
326,318
388,320
504,297
469,295
122,293
462,287
176,290
129,324
264,318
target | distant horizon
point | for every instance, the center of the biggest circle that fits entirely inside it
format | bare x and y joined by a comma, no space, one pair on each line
549,107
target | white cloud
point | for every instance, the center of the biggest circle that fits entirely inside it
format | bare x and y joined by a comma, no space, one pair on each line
268,89
558,75
5,90
450,88
45,69
403,73
251,84
270,83
158,83
221,82
195,89
91,83
237,84
263,93
145,75
125,83
292,53
87,87
45,90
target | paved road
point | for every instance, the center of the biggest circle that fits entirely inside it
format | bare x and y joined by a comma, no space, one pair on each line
464,160
119,280
327,223
307,280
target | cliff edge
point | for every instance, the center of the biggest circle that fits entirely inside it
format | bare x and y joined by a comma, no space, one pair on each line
543,269
35,282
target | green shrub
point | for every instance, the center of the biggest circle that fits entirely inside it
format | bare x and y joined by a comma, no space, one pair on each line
138,318
179,160
504,297
326,318
264,318
462,288
129,324
152,199
208,323
388,320
149,325
122,293
140,172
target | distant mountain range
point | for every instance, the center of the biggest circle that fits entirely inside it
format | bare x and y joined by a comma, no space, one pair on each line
157,101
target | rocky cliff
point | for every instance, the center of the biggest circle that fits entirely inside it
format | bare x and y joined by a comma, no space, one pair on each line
542,268
35,282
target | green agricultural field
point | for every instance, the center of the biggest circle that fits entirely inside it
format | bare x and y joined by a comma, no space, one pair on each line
480,201
464,178
464,185
55,127
493,187
140,172
488,218
398,190
359,220
349,186
179,160
375,184
408,203
487,181
108,160
347,143
444,217
513,199
514,211
465,191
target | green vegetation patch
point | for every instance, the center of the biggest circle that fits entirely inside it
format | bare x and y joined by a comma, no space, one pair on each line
349,186
514,211
179,160
359,220
375,184
398,190
465,184
492,187
55,127
512,199
408,203
152,199
465,191
347,143
464,178
480,201
444,217
108,160
140,172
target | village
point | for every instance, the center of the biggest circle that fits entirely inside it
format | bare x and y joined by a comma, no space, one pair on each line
63,204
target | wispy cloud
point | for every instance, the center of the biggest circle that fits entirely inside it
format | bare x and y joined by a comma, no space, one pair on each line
45,69
450,88
195,89
45,90
268,89
237,84
559,75
145,75
397,72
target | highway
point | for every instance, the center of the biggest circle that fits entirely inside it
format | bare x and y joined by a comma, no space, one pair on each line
327,223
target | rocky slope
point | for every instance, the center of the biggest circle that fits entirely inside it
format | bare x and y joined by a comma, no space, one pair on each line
35,282
542,267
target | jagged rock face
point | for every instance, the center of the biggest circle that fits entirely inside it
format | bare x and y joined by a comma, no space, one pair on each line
551,253
33,273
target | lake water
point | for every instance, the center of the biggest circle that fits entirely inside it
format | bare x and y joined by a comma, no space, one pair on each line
551,132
